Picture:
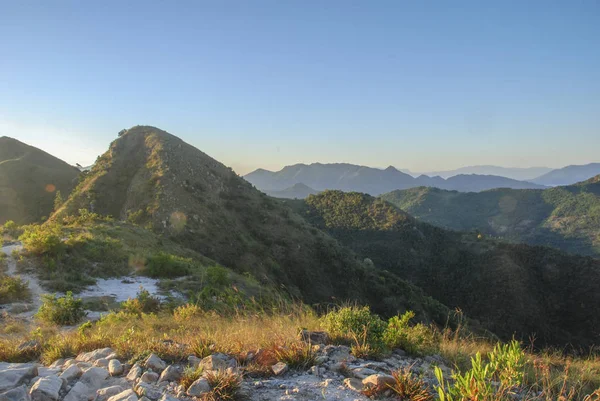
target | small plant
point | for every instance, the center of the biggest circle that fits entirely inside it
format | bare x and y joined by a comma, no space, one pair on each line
225,386
296,355
406,387
143,303
185,312
507,361
190,375
351,322
506,366
417,340
65,310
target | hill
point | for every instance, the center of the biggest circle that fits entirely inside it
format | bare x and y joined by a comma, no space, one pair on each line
509,288
568,175
29,179
566,218
154,179
349,177
296,191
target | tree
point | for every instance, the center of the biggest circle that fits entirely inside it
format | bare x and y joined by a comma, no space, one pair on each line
58,201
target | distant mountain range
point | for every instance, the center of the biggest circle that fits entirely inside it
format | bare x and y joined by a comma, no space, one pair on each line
566,217
374,181
569,175
521,174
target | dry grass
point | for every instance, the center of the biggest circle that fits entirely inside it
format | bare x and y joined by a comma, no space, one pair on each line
171,339
225,386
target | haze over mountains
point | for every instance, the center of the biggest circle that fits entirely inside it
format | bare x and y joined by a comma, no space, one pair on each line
515,173
375,181
350,177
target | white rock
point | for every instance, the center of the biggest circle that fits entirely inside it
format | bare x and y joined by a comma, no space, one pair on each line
95,355
102,363
80,392
71,373
213,362
46,389
194,361
155,363
58,363
149,377
115,368
43,371
198,387
127,395
16,394
354,384
135,372
94,377
14,374
171,373
105,393
148,390
379,381
279,368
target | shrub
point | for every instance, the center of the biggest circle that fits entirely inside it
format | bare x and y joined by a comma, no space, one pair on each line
217,276
65,310
13,289
43,240
417,339
185,312
143,303
11,229
352,323
166,265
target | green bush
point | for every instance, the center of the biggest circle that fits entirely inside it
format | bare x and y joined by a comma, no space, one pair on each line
65,310
417,340
13,289
11,229
353,322
143,303
217,276
43,240
166,265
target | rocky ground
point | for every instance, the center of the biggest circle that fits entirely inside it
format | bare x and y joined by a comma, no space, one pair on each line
101,376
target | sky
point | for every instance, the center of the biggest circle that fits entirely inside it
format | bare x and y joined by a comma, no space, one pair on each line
420,85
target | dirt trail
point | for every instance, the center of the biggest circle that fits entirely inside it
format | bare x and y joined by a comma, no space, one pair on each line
27,308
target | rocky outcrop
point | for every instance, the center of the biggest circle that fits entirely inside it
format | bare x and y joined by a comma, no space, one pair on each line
336,375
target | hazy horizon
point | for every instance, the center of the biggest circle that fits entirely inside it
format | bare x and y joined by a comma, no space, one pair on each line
423,87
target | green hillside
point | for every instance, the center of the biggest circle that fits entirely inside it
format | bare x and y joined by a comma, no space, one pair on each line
155,180
511,289
29,179
567,218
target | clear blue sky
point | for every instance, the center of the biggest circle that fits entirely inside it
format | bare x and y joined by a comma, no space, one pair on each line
424,85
